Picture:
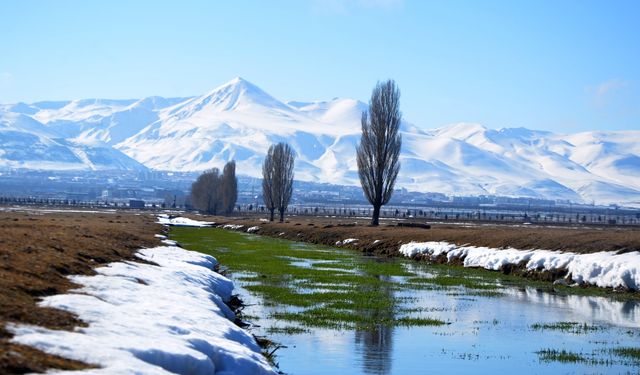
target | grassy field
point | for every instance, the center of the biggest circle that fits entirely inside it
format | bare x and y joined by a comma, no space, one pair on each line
317,286
384,240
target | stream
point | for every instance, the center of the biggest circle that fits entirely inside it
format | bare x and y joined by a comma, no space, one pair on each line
466,321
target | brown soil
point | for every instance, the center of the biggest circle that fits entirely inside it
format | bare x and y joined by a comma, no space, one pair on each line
38,251
327,231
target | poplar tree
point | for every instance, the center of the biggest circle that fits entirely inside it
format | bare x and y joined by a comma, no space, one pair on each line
378,152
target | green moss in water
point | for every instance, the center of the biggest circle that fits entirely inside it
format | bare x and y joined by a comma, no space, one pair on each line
553,355
313,286
627,352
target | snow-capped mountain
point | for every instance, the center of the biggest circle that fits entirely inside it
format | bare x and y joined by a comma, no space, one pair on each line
27,144
238,120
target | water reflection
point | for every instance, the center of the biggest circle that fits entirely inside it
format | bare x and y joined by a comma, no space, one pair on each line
375,344
600,309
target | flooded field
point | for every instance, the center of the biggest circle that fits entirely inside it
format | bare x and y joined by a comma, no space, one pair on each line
338,312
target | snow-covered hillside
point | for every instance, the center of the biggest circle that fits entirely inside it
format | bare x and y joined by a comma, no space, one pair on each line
27,143
238,120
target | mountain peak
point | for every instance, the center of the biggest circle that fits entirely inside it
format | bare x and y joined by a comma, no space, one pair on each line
236,94
237,80
241,83
239,92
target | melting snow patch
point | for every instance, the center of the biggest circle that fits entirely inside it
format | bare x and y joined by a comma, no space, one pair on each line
182,221
169,242
346,241
603,269
152,319
232,226
253,229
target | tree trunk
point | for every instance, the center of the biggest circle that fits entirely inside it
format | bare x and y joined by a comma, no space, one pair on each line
271,214
281,215
376,215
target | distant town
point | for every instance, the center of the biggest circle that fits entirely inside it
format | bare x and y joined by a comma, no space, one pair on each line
170,190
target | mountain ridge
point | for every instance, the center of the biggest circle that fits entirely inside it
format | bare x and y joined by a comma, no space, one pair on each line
239,120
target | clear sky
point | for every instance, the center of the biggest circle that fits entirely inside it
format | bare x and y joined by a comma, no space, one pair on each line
564,66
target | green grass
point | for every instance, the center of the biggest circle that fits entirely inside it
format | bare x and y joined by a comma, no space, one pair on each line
288,330
570,327
553,355
450,281
627,352
319,286
408,321
314,286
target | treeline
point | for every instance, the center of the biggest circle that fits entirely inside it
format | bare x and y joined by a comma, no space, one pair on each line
215,193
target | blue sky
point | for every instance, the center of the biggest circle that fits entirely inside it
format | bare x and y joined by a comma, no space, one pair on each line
564,66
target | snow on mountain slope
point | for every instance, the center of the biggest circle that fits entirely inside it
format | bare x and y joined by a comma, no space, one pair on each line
26,143
238,120
336,111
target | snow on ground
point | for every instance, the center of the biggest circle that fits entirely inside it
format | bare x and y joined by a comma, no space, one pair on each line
604,269
182,221
152,319
253,229
346,241
169,242
232,226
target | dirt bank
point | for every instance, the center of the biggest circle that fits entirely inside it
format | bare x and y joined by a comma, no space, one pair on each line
388,236
37,251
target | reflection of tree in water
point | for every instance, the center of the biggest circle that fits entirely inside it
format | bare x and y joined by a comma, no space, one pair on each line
375,342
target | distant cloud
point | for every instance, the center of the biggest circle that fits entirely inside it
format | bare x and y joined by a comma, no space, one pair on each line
349,6
611,85
603,93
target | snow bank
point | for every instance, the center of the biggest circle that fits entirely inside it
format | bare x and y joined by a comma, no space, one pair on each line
346,241
604,269
253,229
232,226
182,221
151,319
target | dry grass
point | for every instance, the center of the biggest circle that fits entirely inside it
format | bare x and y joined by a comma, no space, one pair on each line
37,252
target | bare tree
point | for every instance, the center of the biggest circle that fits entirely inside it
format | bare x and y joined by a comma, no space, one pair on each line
229,187
205,192
277,178
379,148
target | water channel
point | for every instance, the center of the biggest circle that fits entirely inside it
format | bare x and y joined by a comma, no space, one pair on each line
417,318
